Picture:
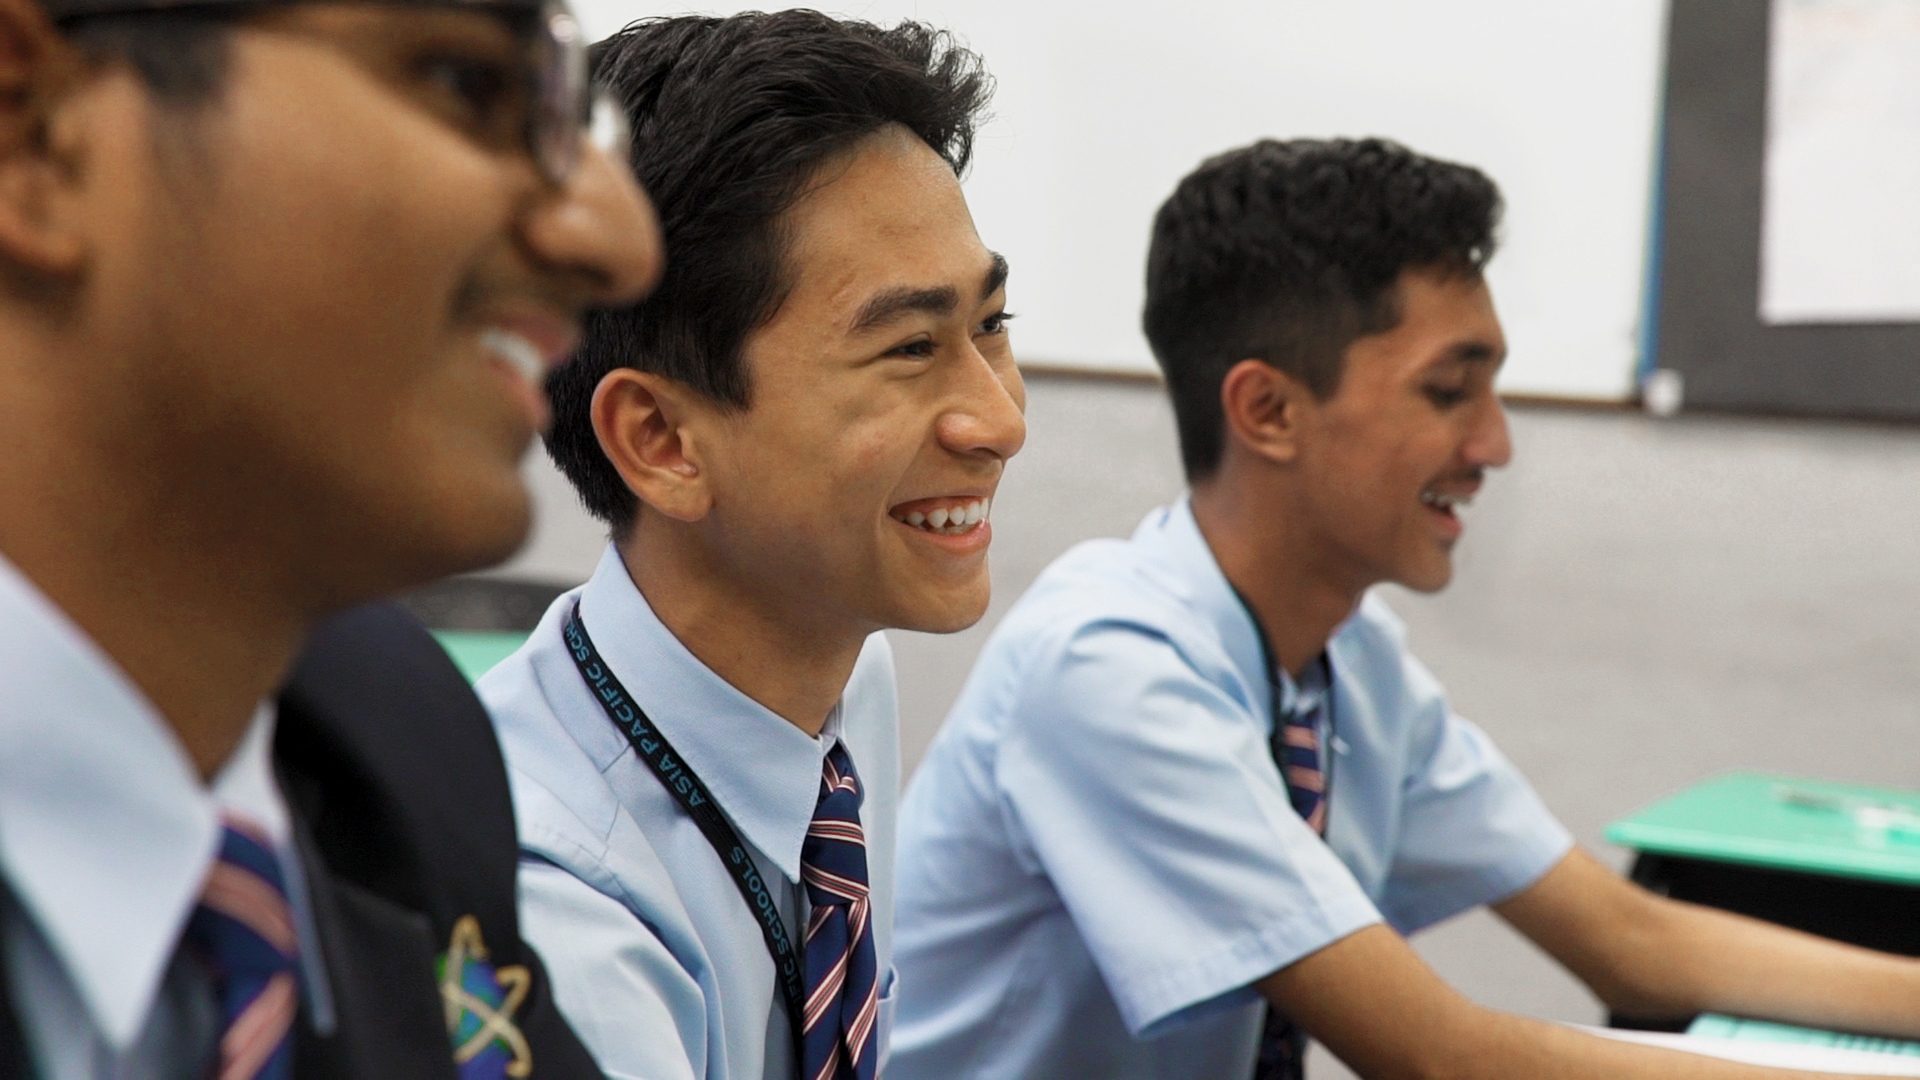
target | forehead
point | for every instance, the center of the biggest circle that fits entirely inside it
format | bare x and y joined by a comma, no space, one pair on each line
886,213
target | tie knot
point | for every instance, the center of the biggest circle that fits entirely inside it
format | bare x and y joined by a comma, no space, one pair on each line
833,859
1297,751
840,791
244,922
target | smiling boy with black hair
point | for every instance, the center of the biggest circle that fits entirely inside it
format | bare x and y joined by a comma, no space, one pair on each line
1196,788
794,443
278,281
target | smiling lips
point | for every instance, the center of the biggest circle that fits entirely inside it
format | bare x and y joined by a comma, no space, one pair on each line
947,517
1443,502
520,354
527,344
1447,506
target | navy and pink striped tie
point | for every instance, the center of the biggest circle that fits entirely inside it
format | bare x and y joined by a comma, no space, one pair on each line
243,929
1296,749
843,990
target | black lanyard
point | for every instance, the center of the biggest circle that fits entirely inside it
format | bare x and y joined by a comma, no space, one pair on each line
678,777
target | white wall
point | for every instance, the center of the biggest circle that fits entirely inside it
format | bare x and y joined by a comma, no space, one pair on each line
1102,108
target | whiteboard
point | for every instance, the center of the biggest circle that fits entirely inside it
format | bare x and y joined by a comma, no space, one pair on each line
1102,108
1843,162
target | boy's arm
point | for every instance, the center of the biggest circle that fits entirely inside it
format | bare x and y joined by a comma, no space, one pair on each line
640,1014
1381,1010
1649,956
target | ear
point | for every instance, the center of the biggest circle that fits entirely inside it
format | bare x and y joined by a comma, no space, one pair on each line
1263,407
641,420
38,69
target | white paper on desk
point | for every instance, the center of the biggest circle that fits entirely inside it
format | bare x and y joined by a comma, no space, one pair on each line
1840,222
1778,1055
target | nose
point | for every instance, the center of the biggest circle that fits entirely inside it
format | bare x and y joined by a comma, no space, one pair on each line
600,227
1492,443
990,417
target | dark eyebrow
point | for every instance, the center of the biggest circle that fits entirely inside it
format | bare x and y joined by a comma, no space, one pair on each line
936,300
893,303
1474,352
996,276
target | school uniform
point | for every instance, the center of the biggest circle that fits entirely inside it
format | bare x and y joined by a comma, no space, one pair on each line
656,957
380,806
1099,854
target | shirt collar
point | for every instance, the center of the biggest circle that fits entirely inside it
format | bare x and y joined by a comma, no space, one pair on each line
1175,532
763,771
106,832
1302,696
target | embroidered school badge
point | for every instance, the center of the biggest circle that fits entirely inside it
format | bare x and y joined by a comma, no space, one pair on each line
480,1001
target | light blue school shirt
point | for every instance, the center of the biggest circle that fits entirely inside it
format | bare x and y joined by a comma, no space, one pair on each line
653,956
106,836
1098,856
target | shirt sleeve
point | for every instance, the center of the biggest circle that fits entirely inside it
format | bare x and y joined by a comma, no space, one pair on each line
637,1010
1472,830
1147,795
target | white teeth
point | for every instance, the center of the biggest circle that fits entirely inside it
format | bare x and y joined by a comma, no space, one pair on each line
519,353
950,520
1444,502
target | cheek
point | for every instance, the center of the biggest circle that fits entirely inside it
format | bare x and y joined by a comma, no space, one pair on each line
365,332
868,458
362,217
853,441
387,271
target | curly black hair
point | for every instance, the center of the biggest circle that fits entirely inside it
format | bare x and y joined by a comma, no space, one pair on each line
731,119
1289,251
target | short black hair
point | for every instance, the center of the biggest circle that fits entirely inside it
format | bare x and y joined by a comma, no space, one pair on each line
731,118
1288,251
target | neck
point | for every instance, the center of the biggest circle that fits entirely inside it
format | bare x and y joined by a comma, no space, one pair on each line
1275,570
150,556
786,664
198,577
200,640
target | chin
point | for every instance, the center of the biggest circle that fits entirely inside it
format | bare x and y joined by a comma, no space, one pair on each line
498,539
947,613
1428,579
485,531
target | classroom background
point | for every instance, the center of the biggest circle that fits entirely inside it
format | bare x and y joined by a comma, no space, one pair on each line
1641,601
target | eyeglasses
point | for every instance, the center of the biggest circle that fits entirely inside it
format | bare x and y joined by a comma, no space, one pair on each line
569,111
566,112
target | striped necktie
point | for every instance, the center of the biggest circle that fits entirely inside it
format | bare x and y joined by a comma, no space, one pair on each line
243,929
1296,750
843,989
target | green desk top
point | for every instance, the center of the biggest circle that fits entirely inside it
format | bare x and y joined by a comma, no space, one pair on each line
475,652
1712,1026
1784,823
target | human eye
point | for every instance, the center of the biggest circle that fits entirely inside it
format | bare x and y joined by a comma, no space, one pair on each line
996,323
1444,397
483,94
921,348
